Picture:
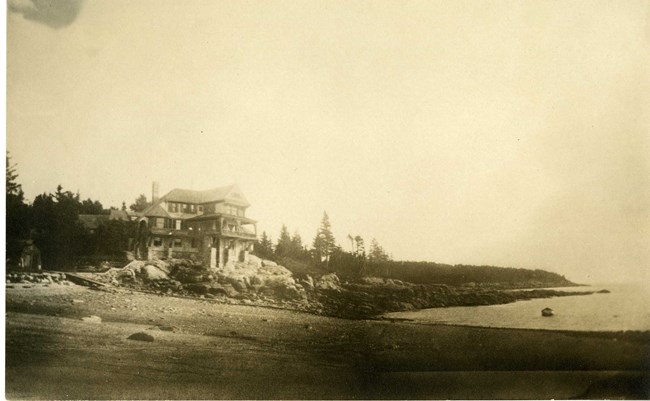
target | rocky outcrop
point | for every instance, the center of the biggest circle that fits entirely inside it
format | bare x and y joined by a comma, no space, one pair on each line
262,277
372,297
328,282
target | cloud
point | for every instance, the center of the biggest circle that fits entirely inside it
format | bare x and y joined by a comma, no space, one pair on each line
54,13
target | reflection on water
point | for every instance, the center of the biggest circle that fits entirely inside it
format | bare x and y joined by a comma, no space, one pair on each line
626,307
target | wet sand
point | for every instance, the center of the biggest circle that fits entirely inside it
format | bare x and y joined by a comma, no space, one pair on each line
204,349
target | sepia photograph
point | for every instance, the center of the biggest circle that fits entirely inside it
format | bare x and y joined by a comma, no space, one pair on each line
327,199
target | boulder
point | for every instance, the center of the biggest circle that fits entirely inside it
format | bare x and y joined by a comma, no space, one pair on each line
92,319
197,288
153,273
547,312
309,282
230,291
126,275
239,283
329,282
217,290
268,263
254,261
141,337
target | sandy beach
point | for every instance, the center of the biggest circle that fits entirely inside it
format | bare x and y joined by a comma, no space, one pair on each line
203,349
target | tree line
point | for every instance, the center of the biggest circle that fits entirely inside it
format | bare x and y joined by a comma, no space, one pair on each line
52,222
324,254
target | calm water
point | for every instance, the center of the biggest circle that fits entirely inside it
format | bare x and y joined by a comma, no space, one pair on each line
627,307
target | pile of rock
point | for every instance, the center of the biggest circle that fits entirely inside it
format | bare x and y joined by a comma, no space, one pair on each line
263,277
254,279
37,278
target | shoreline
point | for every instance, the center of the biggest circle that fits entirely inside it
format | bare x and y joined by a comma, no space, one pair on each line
642,336
204,349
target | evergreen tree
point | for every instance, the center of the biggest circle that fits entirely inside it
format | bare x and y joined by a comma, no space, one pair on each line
324,242
67,228
91,207
264,247
377,253
18,214
298,250
283,248
360,248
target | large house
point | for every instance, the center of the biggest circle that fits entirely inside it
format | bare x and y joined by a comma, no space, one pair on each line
208,226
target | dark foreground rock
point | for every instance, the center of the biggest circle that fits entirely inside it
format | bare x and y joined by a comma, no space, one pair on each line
141,337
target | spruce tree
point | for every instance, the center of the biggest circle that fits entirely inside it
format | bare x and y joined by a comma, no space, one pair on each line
324,242
264,247
18,214
283,248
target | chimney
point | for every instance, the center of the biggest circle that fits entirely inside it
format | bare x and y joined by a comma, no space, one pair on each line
154,192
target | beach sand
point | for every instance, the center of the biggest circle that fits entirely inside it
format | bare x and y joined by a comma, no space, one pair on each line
204,349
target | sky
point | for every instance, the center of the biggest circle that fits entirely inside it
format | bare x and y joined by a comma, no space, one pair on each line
501,133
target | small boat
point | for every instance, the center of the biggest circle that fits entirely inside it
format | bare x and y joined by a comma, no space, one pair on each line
547,312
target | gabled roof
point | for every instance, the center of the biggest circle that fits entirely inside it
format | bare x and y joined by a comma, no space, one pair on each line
119,215
156,210
230,193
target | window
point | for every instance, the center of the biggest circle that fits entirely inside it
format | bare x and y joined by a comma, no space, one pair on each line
178,224
160,222
157,241
178,243
193,243
192,208
200,208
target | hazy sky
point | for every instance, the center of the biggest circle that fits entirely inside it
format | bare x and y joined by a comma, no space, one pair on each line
492,132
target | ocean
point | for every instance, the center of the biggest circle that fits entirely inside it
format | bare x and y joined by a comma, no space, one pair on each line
626,307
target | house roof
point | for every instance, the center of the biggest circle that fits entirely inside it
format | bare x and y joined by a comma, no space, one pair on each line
220,194
119,215
230,193
133,214
156,210
92,221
